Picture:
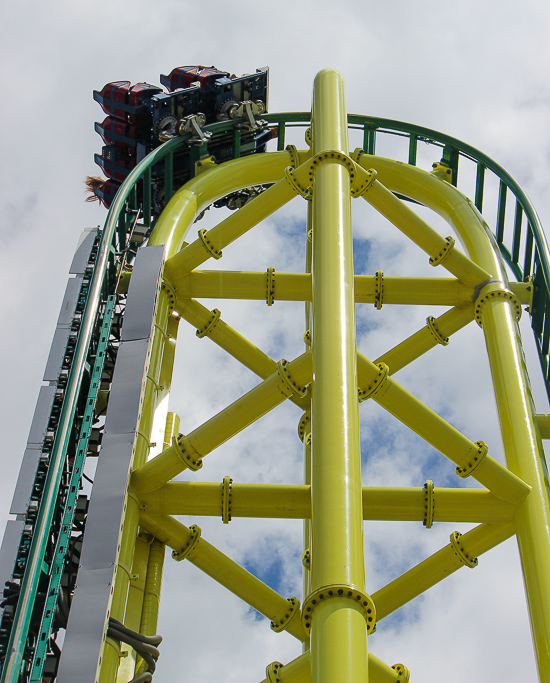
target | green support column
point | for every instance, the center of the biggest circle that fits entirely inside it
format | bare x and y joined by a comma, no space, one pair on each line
338,619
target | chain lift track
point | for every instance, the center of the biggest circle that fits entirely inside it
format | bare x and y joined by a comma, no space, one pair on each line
110,368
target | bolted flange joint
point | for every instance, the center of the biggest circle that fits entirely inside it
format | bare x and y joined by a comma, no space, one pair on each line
462,555
306,559
443,252
436,334
210,325
273,672
295,184
293,609
171,294
288,381
403,674
191,544
494,291
474,461
378,290
356,596
294,156
187,454
226,499
429,504
207,244
376,384
270,286
304,426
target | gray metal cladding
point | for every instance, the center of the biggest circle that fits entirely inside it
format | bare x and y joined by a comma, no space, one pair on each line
84,639
82,253
142,294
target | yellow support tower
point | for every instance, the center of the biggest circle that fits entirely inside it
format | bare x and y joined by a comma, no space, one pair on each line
328,382
155,480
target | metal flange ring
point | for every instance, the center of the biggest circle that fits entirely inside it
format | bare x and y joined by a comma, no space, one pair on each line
462,555
351,593
272,672
436,334
210,325
403,674
429,504
186,453
475,462
375,384
443,252
491,294
284,374
292,610
207,244
190,545
294,184
171,294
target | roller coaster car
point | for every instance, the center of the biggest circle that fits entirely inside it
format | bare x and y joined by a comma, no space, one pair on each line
142,116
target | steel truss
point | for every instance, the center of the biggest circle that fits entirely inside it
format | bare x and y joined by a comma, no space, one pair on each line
131,514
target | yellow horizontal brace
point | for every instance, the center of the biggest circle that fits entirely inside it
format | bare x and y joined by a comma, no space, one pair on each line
188,451
436,331
440,249
226,572
235,225
443,563
299,671
215,284
294,502
471,458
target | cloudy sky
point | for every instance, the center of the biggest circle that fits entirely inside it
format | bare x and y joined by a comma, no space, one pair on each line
477,71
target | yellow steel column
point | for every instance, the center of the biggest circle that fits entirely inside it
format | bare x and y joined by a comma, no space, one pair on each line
338,620
524,455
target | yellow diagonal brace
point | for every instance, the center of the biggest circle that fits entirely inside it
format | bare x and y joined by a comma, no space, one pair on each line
470,457
231,341
294,502
227,573
235,225
187,451
299,671
440,565
422,341
422,234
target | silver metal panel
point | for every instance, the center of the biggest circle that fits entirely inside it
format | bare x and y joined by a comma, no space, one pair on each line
82,253
70,298
142,293
126,387
25,480
41,415
86,628
84,639
8,551
56,355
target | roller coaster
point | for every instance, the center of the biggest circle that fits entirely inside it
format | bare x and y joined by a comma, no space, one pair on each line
81,561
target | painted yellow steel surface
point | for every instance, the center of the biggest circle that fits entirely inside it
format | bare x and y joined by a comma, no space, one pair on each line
327,383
